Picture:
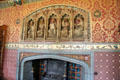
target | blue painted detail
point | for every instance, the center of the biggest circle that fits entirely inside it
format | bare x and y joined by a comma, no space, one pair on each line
92,66
73,70
42,71
78,65
78,75
18,2
73,65
87,70
17,67
78,70
115,46
42,66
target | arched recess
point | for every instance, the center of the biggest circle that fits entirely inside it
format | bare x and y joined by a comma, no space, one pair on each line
78,27
30,29
65,27
52,26
40,28
87,71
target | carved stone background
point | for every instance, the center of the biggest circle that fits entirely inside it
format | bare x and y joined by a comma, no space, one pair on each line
58,23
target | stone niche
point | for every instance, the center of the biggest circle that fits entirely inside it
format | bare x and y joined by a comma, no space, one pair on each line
57,23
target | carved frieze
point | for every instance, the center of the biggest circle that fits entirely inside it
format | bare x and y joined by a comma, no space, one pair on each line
71,46
57,23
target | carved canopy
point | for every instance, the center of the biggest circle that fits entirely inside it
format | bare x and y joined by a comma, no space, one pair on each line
57,23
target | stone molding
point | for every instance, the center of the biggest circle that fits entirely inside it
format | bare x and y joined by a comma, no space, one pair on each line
64,46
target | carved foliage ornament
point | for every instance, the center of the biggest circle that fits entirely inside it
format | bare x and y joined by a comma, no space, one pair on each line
57,23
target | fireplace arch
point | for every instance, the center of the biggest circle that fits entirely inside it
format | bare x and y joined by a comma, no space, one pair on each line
85,66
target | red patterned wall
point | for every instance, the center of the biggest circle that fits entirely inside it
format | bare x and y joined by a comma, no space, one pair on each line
104,28
10,64
107,65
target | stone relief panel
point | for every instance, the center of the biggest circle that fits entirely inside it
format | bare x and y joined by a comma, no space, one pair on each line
78,30
40,28
30,30
52,27
65,27
57,23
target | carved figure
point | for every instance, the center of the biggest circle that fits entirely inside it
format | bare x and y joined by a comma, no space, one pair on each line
40,28
52,27
78,26
30,29
65,27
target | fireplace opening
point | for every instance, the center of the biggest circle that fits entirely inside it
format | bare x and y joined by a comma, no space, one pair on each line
52,69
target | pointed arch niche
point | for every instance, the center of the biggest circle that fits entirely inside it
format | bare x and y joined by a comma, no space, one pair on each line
57,23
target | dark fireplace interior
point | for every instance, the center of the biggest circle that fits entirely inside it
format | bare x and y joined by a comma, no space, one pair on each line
51,69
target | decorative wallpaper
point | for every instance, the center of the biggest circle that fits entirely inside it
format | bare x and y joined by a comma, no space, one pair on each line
104,17
10,63
107,66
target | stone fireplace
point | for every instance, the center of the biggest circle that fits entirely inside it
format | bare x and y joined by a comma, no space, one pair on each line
46,34
54,66
51,69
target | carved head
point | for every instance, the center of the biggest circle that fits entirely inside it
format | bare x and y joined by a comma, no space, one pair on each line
77,20
52,20
31,22
41,21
